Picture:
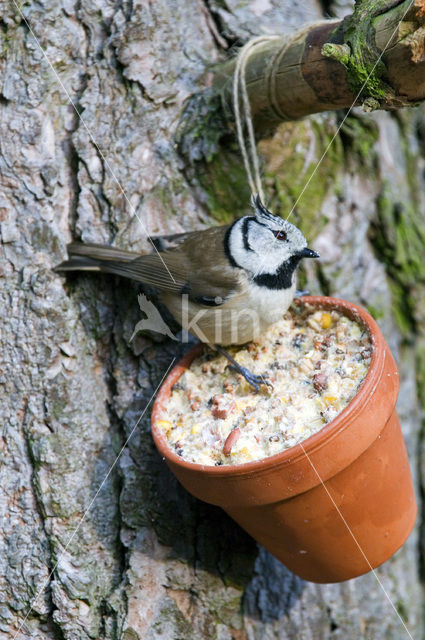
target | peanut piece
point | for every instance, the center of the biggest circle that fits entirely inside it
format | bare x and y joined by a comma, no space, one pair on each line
231,440
320,382
220,409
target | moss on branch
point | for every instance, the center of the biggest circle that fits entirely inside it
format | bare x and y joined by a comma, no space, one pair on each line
362,58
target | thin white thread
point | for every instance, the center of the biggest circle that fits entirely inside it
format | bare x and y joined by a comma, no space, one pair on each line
349,110
132,209
274,241
273,68
240,69
248,115
355,540
150,240
46,582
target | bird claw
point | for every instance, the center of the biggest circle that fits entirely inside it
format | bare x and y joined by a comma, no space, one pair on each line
252,379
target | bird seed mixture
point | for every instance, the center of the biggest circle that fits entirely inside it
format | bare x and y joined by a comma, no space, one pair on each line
316,361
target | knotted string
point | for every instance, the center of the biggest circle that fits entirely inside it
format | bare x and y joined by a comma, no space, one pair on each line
240,90
249,153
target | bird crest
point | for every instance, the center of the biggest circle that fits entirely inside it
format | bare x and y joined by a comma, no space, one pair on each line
261,212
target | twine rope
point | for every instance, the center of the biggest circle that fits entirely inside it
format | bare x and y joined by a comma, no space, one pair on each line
243,116
240,91
271,75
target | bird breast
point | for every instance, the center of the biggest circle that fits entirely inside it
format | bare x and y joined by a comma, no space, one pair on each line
271,304
239,320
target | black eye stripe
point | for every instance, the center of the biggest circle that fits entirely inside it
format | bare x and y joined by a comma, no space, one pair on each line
280,235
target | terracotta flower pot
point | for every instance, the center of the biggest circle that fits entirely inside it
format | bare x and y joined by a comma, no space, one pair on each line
336,505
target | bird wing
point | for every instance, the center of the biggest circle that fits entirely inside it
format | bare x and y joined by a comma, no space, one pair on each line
197,267
212,279
166,271
195,264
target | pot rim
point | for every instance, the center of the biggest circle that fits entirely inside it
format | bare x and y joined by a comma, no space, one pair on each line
311,444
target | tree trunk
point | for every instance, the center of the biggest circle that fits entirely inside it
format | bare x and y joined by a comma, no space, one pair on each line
98,547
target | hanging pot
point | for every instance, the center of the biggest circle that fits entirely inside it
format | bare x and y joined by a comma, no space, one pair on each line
333,507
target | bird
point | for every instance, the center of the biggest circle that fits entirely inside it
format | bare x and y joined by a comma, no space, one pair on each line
226,284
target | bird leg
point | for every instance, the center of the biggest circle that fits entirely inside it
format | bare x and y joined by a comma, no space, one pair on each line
300,294
252,379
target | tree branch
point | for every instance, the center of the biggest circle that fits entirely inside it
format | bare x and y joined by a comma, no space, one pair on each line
374,57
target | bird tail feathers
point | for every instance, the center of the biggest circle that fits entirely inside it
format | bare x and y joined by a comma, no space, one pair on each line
94,257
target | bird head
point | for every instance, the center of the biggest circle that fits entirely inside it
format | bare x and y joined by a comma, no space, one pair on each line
262,243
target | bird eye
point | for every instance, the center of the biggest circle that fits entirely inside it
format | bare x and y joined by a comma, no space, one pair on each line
279,235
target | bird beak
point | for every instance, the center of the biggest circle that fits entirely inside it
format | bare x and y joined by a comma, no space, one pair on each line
308,253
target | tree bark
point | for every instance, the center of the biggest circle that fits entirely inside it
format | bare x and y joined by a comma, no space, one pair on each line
97,538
